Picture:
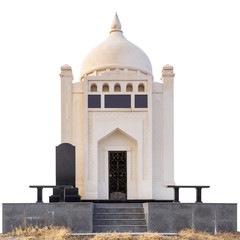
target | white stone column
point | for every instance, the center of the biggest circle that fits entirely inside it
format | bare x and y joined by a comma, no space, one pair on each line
157,139
78,133
168,124
66,104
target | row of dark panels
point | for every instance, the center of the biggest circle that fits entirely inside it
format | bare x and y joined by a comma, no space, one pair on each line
117,101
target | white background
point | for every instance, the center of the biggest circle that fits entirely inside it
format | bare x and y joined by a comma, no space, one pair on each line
199,38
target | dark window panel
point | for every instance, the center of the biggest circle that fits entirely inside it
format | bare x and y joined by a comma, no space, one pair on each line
94,101
141,101
117,101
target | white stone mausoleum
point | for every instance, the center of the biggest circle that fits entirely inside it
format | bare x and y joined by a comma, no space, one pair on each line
117,153
121,122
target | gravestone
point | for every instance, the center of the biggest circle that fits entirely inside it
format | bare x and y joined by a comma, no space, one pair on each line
65,173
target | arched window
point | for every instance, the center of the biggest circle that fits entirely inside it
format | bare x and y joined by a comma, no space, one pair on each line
117,87
94,87
105,87
129,87
141,87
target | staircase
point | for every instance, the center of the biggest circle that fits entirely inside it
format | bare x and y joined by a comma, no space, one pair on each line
119,217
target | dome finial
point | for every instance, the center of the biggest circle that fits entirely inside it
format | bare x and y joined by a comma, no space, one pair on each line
116,25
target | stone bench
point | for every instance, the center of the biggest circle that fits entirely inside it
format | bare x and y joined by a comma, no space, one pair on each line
198,191
60,187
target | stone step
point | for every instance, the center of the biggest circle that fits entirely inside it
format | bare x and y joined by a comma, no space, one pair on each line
119,228
82,236
119,216
119,222
118,210
118,205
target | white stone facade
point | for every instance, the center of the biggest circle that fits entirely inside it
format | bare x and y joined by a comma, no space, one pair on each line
143,127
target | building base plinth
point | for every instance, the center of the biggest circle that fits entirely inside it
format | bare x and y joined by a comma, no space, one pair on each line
161,217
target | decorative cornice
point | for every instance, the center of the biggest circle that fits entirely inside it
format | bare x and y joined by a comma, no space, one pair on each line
168,74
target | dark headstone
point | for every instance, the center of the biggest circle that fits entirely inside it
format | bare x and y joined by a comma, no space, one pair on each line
65,164
65,173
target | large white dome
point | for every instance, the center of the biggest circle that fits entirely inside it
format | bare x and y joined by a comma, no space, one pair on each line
116,52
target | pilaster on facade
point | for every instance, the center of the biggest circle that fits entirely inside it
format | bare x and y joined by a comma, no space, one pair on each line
66,103
168,124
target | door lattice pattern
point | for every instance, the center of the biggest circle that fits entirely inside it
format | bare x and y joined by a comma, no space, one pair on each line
118,175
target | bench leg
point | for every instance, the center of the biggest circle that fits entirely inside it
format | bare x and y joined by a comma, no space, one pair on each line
176,194
199,194
39,195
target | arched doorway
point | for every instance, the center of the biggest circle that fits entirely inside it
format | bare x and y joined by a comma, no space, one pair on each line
117,166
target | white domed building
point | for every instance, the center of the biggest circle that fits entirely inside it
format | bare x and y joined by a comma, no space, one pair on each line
121,123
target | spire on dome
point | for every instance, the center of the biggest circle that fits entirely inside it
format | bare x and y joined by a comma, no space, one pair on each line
116,25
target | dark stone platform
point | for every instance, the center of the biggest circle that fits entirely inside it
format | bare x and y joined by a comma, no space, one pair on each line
162,217
71,195
173,217
77,216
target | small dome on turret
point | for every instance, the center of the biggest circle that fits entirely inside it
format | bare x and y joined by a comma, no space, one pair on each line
116,52
167,67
